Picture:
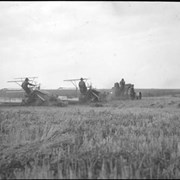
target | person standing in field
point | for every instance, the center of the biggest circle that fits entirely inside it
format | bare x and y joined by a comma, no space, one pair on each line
25,86
82,86
116,89
140,95
122,85
132,92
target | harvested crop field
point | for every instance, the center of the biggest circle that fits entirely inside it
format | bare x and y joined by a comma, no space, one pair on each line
121,139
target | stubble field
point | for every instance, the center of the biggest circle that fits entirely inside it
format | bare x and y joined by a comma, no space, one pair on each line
122,139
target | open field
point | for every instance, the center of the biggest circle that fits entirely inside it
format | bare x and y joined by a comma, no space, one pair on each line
122,139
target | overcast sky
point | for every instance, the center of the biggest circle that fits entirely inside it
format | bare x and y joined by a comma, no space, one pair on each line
103,41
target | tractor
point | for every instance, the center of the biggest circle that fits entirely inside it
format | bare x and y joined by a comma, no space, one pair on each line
126,92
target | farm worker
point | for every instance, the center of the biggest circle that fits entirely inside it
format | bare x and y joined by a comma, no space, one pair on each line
140,95
117,89
132,92
82,86
25,86
122,85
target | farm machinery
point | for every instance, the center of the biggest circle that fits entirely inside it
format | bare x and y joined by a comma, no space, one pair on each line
90,95
36,96
124,92
60,97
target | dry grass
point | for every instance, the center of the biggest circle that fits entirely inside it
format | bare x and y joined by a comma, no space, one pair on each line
123,139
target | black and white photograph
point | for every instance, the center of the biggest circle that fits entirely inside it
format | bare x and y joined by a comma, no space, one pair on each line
89,90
